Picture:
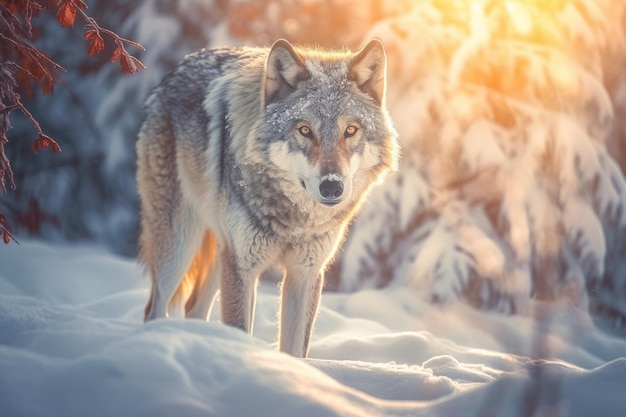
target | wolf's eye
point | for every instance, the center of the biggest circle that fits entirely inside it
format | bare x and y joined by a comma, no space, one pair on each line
305,131
350,131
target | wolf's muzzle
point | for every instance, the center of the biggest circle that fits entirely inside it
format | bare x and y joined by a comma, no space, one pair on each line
331,189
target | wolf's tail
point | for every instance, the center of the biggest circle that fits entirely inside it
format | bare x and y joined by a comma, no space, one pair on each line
194,281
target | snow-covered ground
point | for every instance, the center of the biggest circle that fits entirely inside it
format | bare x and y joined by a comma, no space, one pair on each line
72,343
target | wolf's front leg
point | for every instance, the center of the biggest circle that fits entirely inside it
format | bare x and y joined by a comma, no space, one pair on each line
238,292
300,297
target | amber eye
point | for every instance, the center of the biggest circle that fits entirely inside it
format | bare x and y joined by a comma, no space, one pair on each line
305,131
350,131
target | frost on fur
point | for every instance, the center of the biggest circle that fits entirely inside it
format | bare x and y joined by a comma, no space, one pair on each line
506,189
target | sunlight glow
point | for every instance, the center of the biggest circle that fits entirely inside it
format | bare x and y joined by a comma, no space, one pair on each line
520,17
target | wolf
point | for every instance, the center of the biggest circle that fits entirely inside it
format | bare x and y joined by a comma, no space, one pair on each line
249,158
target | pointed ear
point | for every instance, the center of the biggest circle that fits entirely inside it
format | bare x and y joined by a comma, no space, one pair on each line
368,70
284,68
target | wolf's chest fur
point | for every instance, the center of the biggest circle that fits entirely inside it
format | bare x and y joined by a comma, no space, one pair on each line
278,207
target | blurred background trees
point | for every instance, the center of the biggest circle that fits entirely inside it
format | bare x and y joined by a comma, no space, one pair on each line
511,120
25,66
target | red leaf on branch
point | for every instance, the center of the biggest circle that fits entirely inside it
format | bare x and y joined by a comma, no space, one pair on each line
96,43
48,85
14,6
5,232
116,54
33,68
67,14
44,142
23,80
129,63
128,66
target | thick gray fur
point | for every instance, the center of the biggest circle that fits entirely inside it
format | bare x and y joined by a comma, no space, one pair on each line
234,153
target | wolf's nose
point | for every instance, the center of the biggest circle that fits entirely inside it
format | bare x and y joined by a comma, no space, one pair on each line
331,189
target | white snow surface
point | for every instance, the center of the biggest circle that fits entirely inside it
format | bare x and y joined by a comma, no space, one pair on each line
73,343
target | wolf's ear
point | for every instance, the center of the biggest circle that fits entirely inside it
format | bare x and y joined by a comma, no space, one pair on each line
283,70
368,68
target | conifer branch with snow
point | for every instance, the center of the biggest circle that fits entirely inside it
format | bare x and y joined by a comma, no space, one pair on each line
506,191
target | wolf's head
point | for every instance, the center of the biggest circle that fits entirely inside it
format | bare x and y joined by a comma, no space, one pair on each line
326,124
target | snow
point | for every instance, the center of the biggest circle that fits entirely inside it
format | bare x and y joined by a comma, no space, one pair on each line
72,343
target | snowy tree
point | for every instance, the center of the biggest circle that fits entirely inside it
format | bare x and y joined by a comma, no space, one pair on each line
506,189
25,65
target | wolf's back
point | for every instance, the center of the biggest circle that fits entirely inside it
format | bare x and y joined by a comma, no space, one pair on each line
208,73
195,106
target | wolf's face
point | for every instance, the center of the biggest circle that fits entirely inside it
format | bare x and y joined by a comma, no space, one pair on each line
325,157
326,126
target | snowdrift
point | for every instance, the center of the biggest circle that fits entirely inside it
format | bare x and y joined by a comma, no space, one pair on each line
72,343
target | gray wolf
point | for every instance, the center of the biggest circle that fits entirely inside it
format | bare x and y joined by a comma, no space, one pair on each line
257,157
